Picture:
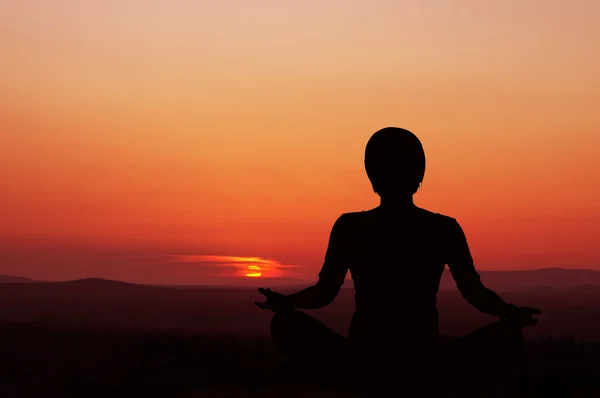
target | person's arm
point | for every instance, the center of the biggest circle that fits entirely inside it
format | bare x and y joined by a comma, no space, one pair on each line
332,275
468,281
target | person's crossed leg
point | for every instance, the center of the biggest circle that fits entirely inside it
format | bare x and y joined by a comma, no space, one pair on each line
310,347
482,358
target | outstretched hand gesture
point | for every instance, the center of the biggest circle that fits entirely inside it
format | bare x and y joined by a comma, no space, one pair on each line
275,301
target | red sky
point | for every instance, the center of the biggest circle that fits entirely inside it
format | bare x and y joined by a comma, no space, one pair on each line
178,142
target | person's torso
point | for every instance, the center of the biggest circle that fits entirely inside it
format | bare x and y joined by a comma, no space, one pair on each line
396,265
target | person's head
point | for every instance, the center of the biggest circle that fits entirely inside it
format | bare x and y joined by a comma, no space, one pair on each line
395,162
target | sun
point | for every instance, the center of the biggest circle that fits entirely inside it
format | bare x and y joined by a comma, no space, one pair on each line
253,271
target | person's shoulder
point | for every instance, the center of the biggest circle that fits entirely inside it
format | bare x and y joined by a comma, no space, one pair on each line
358,216
353,218
437,218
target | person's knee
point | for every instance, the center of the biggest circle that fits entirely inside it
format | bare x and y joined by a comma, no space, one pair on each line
512,333
499,339
283,324
277,323
503,330
507,343
281,319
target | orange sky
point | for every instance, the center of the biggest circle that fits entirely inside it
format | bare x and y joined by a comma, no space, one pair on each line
133,133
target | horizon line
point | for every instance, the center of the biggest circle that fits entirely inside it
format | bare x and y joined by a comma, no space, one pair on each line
266,279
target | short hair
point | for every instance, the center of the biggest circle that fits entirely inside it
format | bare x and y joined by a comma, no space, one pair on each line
395,161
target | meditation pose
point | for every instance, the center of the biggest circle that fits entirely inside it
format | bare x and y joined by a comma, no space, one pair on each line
396,254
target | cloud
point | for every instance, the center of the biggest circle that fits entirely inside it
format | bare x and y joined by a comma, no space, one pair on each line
236,265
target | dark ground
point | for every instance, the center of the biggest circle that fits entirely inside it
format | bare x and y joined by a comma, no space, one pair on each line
108,305
42,361
97,338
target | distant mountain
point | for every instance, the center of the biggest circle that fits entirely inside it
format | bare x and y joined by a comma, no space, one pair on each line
539,279
535,279
98,282
100,290
579,289
14,279
107,305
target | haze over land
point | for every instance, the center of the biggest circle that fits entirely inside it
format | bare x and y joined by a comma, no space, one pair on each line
502,280
570,300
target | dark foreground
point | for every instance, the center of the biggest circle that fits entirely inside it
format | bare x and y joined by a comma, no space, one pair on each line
43,361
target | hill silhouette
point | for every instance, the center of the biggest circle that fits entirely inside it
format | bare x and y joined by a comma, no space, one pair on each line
15,279
552,277
544,278
517,280
101,304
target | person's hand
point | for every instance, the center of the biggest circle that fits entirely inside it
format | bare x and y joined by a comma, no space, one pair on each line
275,301
523,316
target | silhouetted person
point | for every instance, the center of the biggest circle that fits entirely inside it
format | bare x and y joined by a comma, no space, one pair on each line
396,254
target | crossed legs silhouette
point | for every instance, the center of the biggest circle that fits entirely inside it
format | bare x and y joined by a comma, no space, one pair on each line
482,358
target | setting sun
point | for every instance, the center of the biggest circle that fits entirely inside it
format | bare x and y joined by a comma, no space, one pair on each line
253,271
179,143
